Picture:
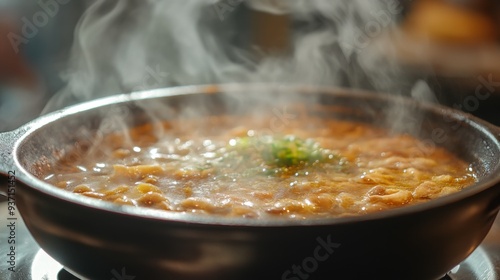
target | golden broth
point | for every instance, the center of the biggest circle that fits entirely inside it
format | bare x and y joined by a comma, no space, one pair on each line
312,168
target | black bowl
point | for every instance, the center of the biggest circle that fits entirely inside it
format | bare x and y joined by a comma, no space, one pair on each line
101,240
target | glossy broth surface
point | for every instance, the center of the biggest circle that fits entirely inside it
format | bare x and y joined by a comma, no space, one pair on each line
306,168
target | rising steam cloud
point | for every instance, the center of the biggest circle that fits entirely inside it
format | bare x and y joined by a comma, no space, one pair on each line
122,46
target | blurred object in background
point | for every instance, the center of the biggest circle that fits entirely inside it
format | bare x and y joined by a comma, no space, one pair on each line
455,46
14,69
35,37
465,22
20,92
271,40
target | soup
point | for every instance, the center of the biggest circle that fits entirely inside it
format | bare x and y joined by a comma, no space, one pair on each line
231,166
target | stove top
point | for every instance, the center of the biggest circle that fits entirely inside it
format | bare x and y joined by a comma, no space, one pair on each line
32,263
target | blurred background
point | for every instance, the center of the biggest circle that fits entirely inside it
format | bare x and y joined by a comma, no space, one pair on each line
442,51
35,40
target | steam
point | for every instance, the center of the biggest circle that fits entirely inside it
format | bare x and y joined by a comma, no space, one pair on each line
123,46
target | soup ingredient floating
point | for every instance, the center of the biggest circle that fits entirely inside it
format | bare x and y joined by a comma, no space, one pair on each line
314,168
280,155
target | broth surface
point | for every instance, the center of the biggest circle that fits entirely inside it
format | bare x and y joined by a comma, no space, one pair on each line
309,168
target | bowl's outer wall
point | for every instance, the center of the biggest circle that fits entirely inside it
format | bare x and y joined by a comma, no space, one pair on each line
424,245
418,245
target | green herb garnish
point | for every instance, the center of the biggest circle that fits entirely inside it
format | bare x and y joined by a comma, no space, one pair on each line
283,155
291,151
